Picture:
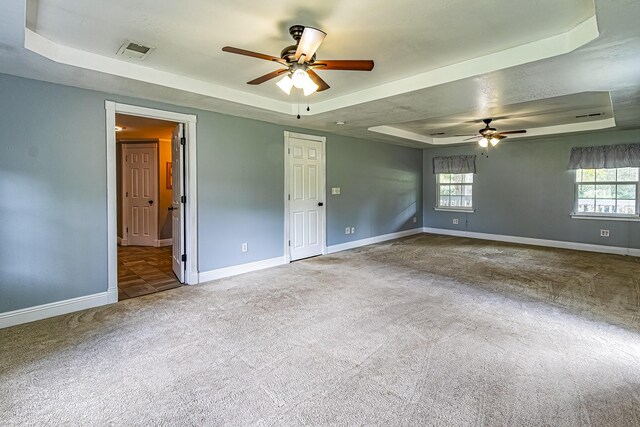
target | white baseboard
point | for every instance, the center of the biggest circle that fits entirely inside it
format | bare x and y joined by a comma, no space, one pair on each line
536,242
123,242
58,308
207,276
163,242
371,240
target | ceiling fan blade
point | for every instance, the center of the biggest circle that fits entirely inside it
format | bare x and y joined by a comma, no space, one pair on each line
267,77
322,85
467,135
512,132
352,65
253,54
309,42
472,138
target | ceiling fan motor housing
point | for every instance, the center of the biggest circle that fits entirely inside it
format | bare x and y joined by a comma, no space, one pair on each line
289,55
296,32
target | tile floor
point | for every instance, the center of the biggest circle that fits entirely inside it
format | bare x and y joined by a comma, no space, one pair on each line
144,270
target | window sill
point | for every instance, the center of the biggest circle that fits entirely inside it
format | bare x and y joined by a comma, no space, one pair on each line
606,217
455,210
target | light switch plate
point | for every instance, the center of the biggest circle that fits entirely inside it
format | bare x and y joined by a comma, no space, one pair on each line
347,230
335,190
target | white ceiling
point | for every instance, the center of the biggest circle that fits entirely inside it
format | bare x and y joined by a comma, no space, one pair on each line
424,53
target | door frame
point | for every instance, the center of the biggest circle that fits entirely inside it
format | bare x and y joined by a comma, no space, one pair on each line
124,201
190,212
287,208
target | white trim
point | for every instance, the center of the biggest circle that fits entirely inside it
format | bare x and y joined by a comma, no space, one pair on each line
287,158
536,242
80,58
220,273
191,219
163,242
605,217
454,210
540,131
548,47
112,200
371,240
191,211
30,314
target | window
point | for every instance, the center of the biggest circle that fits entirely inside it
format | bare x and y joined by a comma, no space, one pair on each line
607,192
455,190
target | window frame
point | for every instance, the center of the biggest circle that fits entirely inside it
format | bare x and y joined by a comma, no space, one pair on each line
604,215
467,209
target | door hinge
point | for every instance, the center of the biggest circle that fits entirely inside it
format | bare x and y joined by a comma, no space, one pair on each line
289,242
183,140
289,197
183,199
127,229
126,194
184,257
288,150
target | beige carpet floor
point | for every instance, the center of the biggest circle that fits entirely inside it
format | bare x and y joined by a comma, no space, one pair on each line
426,330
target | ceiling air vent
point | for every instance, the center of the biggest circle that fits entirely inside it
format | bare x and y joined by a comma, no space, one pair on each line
135,50
582,116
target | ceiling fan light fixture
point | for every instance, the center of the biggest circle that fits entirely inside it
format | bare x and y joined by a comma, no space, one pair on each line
309,87
494,141
484,142
285,84
299,78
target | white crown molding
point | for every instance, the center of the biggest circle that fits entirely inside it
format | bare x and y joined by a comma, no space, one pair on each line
545,130
536,242
30,314
91,61
549,47
545,48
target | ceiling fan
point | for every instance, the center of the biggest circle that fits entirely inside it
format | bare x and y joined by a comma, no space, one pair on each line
491,135
299,62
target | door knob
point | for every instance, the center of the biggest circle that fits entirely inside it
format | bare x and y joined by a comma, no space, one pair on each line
170,208
320,204
150,202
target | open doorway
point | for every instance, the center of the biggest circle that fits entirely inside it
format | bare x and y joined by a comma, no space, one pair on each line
184,215
145,204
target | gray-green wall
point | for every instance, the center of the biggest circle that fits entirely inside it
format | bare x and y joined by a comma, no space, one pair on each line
524,189
53,190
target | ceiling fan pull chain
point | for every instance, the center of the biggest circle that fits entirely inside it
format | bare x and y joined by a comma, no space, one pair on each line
308,109
298,103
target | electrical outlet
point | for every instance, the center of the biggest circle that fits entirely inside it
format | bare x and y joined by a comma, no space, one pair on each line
604,233
353,230
415,219
335,190
347,230
455,221
245,247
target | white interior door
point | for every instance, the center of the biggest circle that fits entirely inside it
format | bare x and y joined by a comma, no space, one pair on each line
177,207
141,174
306,198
